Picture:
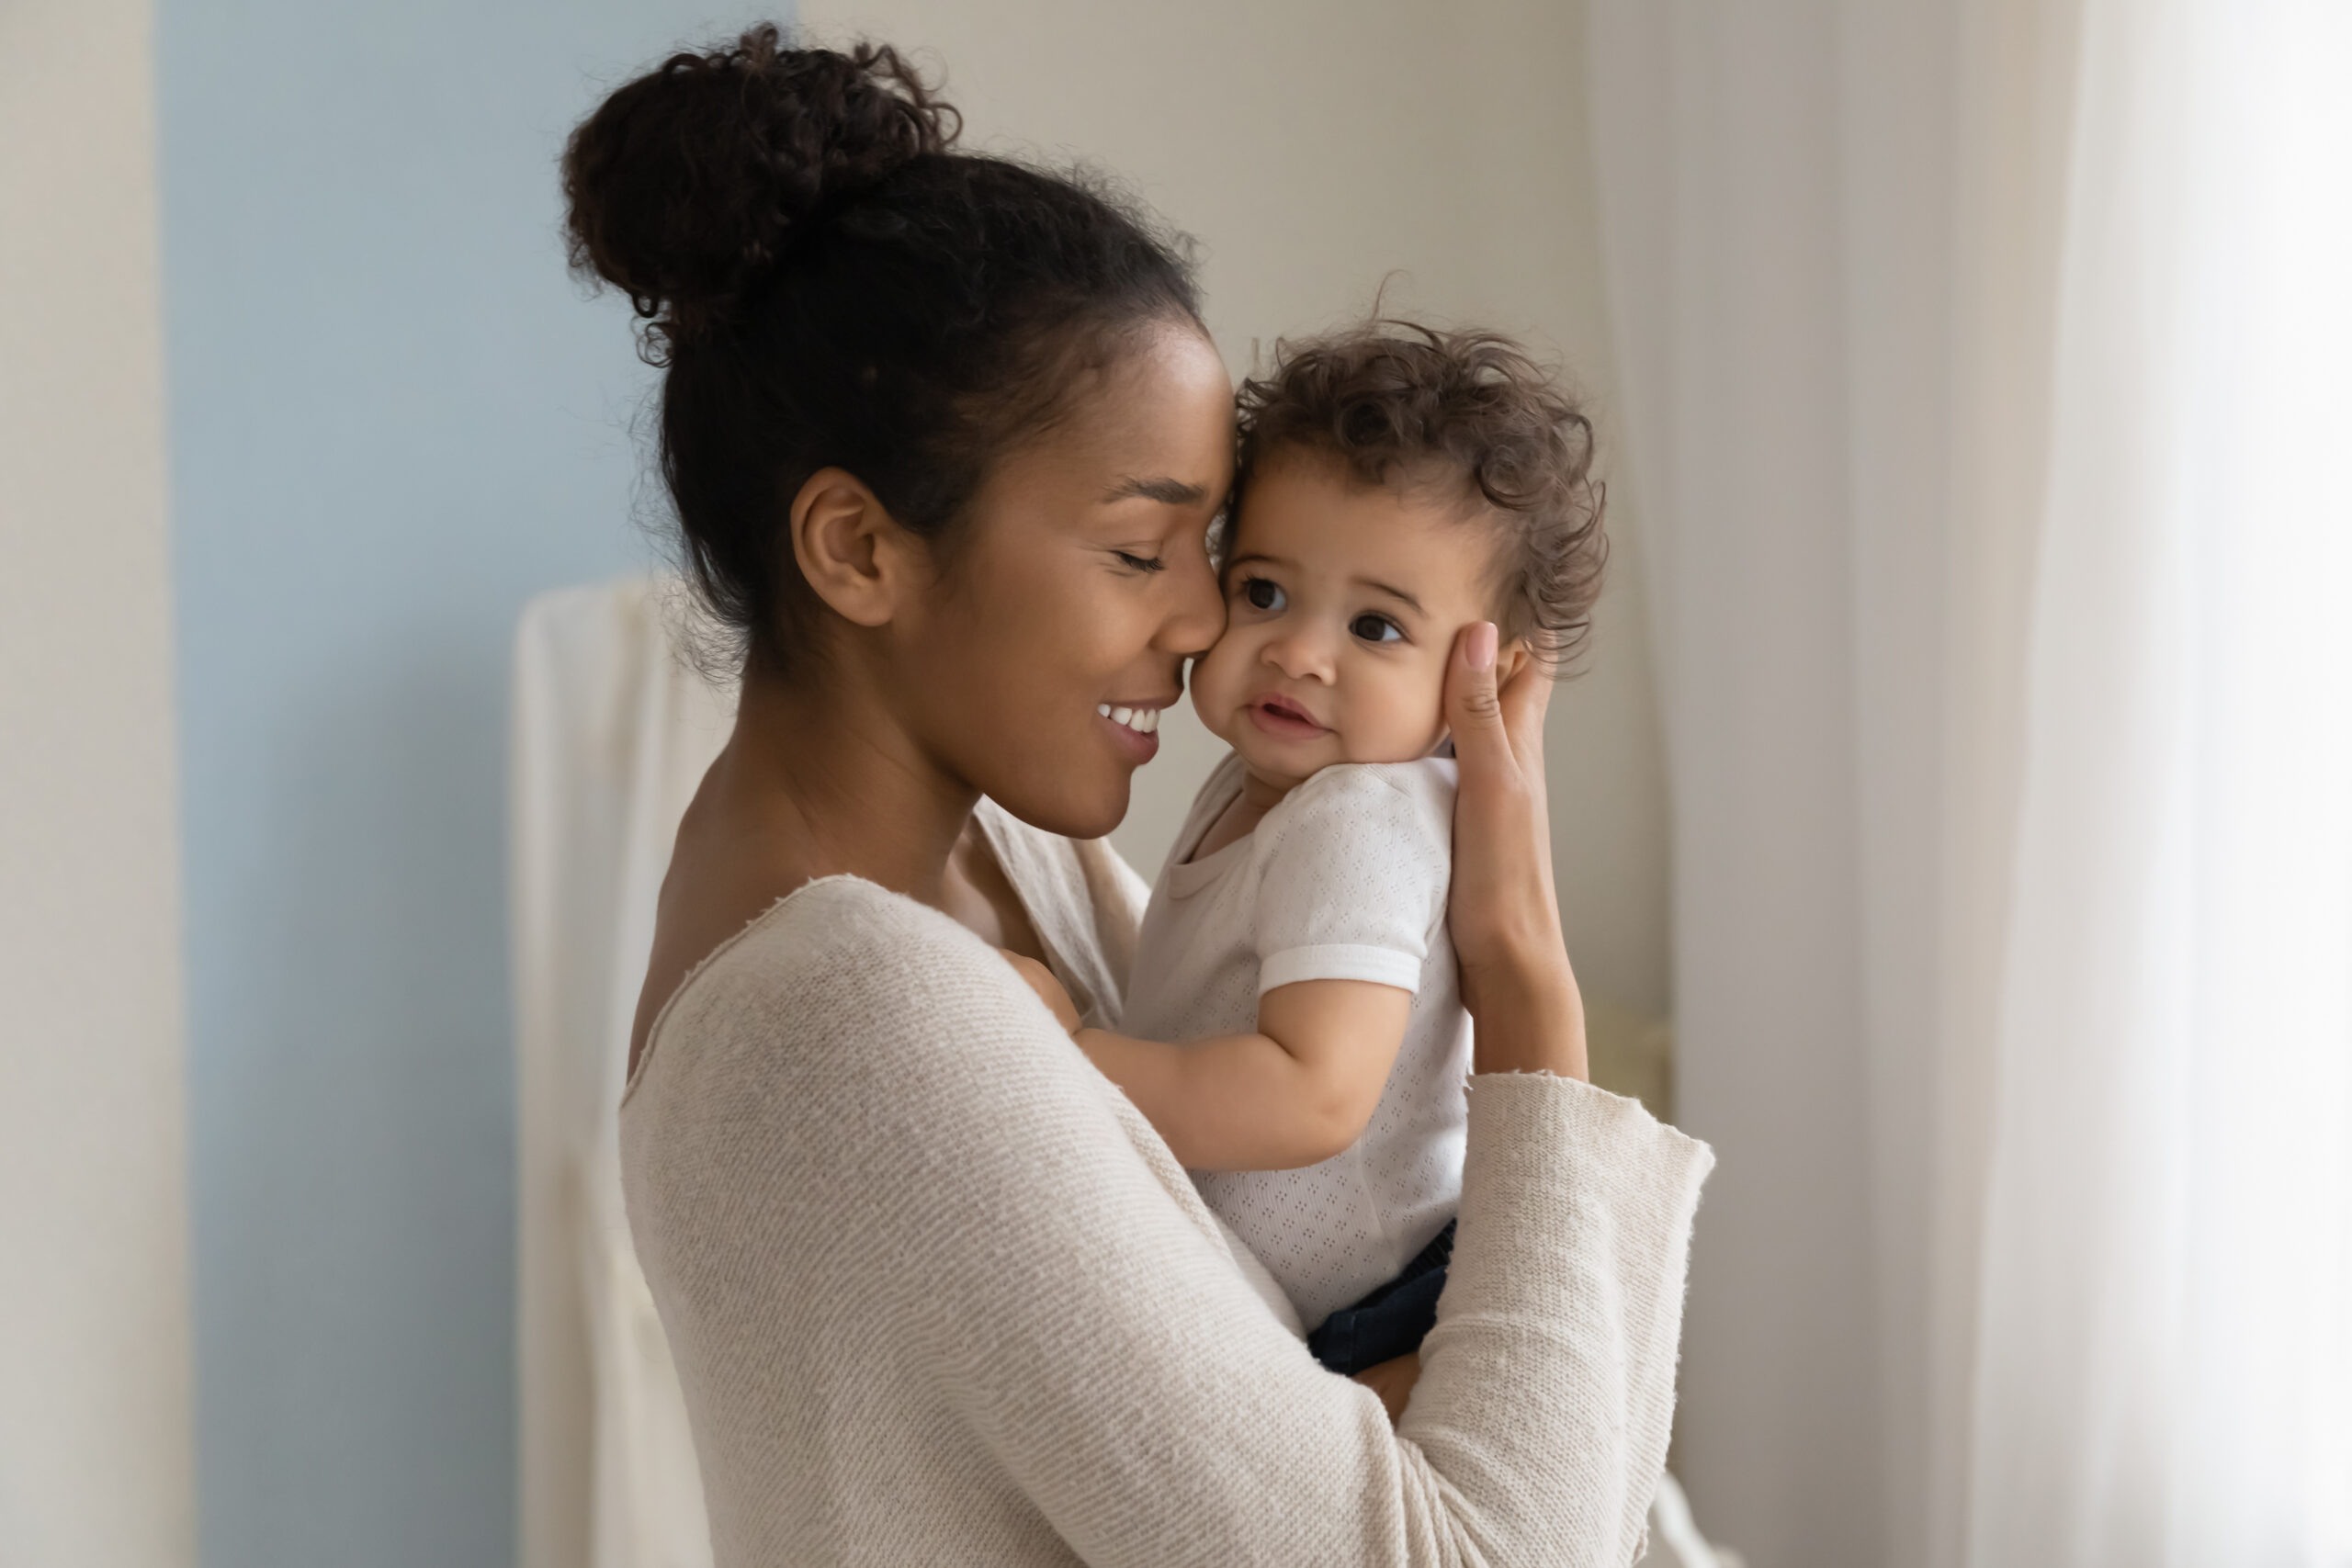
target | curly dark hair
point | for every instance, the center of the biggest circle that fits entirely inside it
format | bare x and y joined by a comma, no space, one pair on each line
828,283
1408,405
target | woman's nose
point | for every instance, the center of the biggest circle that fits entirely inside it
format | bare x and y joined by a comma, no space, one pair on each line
1196,618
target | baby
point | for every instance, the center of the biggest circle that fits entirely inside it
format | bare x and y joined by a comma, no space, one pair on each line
1294,1026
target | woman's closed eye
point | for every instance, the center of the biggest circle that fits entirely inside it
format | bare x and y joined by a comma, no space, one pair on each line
1134,562
1376,628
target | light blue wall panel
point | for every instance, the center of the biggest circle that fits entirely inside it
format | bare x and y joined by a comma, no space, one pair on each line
393,418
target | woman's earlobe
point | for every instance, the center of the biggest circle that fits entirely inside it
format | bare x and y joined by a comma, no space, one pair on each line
843,539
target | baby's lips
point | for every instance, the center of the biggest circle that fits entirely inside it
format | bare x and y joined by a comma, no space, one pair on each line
1288,707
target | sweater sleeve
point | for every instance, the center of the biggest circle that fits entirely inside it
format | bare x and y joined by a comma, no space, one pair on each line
1089,1333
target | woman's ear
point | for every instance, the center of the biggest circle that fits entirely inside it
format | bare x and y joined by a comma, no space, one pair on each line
851,550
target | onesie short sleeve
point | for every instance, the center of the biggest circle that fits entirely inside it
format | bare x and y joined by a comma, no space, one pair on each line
1356,865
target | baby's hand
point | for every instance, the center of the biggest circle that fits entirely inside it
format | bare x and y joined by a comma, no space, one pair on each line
1393,1381
1049,990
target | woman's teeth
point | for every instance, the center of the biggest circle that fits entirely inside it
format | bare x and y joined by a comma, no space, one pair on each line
1143,721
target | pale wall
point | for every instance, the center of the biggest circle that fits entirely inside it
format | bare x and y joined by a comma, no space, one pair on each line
394,418
95,1464
1316,148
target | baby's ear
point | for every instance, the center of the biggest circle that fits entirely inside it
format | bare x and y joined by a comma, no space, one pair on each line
1511,660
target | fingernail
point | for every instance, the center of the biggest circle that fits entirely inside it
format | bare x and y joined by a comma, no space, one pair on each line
1482,646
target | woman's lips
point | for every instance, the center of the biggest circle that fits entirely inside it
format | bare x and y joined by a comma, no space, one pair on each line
1142,721
1279,716
1136,729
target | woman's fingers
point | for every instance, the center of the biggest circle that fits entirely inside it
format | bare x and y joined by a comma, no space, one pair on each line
1497,834
1504,917
1495,706
1524,698
1473,708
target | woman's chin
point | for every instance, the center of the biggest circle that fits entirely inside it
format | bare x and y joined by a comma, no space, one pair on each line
1074,813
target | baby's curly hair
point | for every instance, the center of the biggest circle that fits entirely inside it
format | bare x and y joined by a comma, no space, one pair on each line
1408,405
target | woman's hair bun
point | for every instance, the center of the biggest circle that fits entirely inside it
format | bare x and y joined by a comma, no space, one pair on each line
689,182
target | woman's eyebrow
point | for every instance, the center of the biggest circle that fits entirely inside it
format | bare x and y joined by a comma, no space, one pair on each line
1174,492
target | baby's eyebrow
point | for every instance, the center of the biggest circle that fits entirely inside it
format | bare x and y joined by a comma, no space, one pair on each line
1396,594
1174,492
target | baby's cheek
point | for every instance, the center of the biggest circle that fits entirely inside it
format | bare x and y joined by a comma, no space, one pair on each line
1401,719
1212,682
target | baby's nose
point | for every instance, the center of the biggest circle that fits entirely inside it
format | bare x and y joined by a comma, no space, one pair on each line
1302,656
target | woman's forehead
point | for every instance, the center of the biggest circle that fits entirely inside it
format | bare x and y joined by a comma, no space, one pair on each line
1154,425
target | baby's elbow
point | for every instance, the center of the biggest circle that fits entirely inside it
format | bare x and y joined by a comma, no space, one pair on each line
1334,1123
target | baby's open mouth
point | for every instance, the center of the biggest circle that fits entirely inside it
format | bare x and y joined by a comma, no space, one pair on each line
1285,713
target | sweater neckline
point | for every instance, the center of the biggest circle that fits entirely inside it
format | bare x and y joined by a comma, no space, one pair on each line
653,1033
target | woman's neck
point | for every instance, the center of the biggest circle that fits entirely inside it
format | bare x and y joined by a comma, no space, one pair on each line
813,782
826,778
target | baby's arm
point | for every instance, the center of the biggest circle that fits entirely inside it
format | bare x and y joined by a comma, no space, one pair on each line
1298,1091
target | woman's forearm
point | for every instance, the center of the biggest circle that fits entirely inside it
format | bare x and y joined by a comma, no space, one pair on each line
1535,1434
1232,1102
1530,1018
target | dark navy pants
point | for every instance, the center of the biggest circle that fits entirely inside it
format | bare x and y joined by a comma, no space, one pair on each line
1391,1321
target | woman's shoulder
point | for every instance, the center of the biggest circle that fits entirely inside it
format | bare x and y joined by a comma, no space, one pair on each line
837,960
818,938
828,1069
800,935
852,1029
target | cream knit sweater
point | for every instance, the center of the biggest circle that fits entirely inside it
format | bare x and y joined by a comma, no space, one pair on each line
938,1294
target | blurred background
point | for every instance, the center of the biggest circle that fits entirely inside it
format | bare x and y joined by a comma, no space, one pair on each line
1954,819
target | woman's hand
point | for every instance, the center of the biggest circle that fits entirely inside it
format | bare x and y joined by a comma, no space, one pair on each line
1503,914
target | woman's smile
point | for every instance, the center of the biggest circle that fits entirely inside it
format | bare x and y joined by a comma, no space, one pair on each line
1136,726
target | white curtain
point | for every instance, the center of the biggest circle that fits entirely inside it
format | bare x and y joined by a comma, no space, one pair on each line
1983,367
612,733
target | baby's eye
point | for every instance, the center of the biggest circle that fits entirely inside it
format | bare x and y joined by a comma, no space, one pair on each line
1261,594
1376,628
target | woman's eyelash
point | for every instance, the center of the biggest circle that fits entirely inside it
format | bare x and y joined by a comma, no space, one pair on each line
1141,563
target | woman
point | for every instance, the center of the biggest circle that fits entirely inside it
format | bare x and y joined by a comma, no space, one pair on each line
945,437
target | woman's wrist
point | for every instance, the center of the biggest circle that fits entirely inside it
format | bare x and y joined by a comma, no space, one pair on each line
1529,1018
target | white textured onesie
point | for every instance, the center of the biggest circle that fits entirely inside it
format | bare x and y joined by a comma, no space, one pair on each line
1346,879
